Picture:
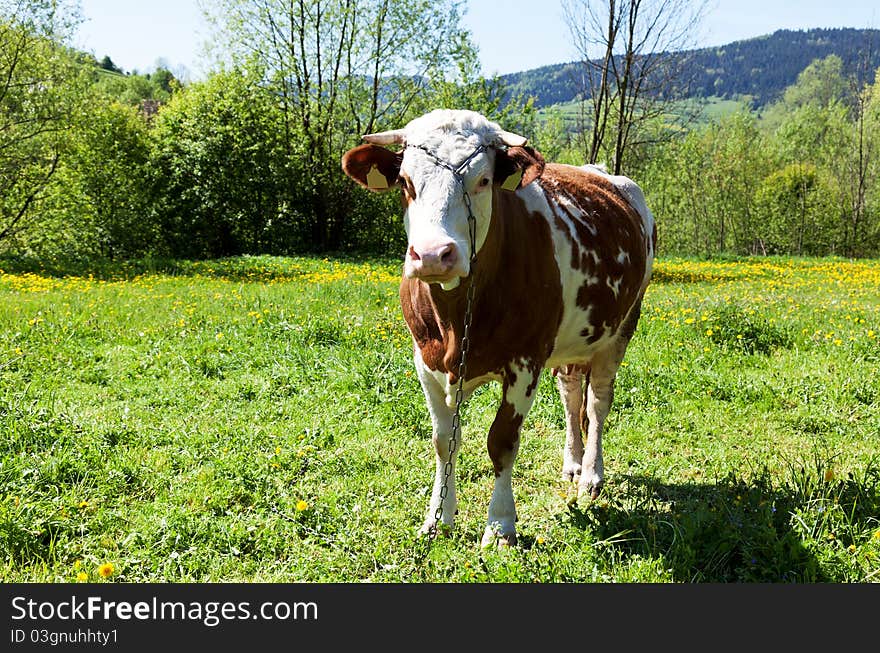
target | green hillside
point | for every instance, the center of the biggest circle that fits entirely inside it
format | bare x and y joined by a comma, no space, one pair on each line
760,68
702,110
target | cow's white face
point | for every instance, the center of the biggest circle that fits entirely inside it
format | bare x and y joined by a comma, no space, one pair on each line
436,216
446,155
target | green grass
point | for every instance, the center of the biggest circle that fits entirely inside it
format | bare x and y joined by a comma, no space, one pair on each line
257,419
701,110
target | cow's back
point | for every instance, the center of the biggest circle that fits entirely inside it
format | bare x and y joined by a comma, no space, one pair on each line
603,236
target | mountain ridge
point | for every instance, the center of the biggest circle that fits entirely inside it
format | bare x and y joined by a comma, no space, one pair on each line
759,68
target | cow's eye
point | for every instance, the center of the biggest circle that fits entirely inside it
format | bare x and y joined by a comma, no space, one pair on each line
484,182
404,183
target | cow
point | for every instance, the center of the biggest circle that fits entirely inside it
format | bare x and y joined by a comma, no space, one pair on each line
560,261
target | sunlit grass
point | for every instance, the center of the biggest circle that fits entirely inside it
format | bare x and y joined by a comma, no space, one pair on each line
258,419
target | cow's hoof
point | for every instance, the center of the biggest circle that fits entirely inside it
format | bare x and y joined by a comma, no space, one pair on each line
431,529
571,472
590,484
591,490
502,541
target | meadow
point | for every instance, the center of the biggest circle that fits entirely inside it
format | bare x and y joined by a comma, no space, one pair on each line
257,419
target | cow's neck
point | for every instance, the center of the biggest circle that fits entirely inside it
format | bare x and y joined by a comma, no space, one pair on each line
451,304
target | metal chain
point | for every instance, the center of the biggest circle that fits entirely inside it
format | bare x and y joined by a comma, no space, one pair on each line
457,172
462,368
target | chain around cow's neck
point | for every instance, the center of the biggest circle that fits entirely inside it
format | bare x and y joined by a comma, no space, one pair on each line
462,366
468,314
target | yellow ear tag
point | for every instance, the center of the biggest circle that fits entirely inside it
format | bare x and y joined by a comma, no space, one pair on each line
512,181
376,179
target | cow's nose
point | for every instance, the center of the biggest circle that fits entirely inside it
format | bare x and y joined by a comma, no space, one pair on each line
434,259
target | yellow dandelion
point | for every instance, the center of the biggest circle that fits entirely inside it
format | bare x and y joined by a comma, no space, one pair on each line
539,540
105,570
83,504
82,577
709,332
876,534
851,548
219,336
690,320
301,505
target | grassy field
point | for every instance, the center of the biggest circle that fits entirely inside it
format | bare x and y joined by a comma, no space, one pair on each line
703,111
257,419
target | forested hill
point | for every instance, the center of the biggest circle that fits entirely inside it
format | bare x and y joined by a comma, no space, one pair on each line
760,67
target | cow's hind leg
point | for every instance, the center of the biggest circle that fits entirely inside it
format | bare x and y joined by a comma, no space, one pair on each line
570,382
597,404
520,388
441,423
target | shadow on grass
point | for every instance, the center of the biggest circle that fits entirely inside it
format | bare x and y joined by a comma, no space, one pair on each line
663,276
737,531
234,268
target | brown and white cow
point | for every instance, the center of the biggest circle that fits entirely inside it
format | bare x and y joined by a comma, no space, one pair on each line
563,257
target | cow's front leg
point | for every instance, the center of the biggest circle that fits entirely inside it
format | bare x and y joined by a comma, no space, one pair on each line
519,388
441,424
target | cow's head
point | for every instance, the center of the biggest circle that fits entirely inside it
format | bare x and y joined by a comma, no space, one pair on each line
444,155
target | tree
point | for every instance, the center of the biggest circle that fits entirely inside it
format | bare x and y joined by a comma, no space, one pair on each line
796,206
821,83
871,125
98,204
467,88
825,117
218,170
628,78
107,64
861,164
702,188
339,69
133,89
40,88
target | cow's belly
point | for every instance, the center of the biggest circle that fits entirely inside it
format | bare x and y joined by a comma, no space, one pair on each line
571,346
598,294
586,326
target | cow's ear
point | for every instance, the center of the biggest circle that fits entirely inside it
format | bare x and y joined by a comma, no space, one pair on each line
372,166
516,167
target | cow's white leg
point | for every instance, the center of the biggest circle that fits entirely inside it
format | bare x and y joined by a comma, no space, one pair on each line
571,390
599,395
441,424
520,388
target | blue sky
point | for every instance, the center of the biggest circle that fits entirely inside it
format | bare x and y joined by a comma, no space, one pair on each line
512,35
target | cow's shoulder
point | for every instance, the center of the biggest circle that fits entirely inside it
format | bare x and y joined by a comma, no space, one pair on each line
589,184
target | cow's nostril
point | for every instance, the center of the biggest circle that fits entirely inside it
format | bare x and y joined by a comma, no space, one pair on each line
447,256
413,254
